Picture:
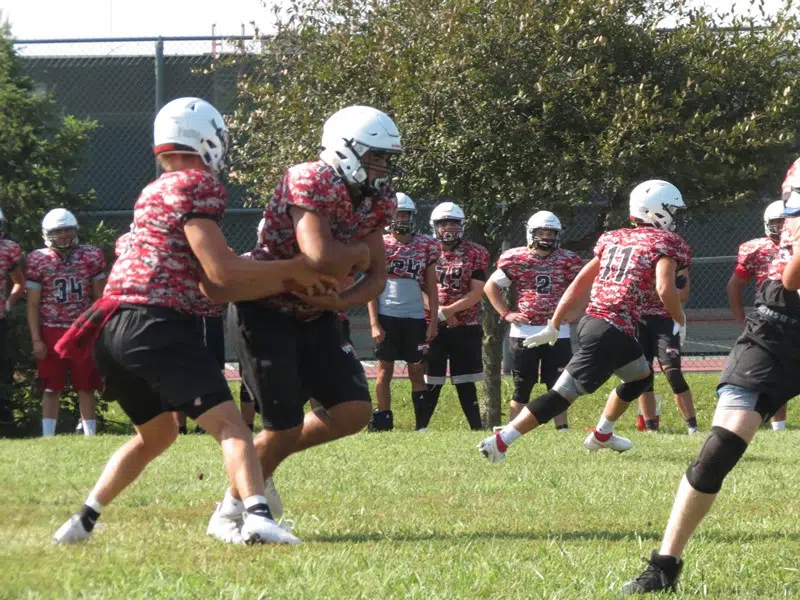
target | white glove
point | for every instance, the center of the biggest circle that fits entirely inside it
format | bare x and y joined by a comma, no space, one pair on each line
680,329
442,316
548,335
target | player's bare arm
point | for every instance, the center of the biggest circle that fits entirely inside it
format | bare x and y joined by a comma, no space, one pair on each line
431,296
495,295
577,295
735,288
685,287
325,253
471,299
665,287
35,324
18,289
231,278
375,326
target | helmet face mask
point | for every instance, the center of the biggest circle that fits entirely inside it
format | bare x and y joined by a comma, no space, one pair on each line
536,228
447,222
404,218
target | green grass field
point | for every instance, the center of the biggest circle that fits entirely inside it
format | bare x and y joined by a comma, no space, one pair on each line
407,515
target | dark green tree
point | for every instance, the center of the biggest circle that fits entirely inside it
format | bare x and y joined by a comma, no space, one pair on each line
509,106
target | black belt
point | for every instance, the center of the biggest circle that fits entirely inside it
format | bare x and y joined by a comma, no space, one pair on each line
775,316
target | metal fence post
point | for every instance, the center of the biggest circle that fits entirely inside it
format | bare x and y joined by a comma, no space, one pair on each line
159,85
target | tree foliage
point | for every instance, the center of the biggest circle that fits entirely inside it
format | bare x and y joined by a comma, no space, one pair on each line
507,106
40,154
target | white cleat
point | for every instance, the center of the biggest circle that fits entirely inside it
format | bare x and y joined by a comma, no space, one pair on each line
226,527
490,450
273,499
260,530
71,532
693,431
615,443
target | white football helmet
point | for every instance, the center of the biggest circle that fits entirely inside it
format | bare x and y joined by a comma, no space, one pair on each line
543,219
656,203
192,126
56,219
773,219
447,211
404,204
352,132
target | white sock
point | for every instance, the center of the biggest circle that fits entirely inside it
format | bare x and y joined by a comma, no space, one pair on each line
231,505
605,426
93,503
89,426
778,425
508,434
48,427
252,501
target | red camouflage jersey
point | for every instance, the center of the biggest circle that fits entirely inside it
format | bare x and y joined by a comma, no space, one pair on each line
792,179
756,256
540,282
627,276
316,187
122,244
65,283
772,294
409,261
782,256
455,269
10,259
159,268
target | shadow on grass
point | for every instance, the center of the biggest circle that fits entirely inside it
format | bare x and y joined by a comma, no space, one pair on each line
567,536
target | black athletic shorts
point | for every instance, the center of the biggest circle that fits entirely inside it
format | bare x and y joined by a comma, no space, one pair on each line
526,362
463,347
344,329
212,332
657,341
152,361
602,349
286,361
766,359
404,339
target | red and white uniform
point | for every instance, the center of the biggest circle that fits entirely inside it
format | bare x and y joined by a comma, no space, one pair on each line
409,261
627,275
455,269
65,283
755,258
121,245
540,282
159,268
10,259
315,186
66,291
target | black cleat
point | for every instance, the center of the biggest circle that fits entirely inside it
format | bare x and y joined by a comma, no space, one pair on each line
661,575
382,420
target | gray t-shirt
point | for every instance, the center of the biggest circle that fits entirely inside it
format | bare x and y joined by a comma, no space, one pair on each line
402,298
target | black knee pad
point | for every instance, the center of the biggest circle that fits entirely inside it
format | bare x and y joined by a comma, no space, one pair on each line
650,382
550,405
676,380
630,391
719,454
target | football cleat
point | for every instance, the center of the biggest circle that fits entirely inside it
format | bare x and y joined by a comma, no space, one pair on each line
615,442
661,575
261,530
226,527
71,532
490,448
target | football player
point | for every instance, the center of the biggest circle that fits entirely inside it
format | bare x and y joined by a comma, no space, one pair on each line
752,264
627,264
63,279
332,211
540,272
397,317
10,266
461,271
143,329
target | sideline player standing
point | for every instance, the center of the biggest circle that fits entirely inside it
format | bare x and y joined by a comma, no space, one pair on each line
10,266
627,264
62,280
753,264
462,274
143,329
760,376
397,317
332,212
540,274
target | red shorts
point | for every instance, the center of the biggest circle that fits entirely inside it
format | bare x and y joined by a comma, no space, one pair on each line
53,370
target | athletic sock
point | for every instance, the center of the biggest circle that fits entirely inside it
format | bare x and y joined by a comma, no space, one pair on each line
231,505
89,427
509,434
605,426
48,427
778,425
691,422
257,506
90,512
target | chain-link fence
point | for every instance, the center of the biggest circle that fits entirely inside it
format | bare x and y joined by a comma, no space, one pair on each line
121,83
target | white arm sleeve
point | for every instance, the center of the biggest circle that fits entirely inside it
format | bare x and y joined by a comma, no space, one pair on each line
500,278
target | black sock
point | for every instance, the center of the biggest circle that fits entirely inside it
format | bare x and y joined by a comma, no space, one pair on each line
260,510
468,397
420,404
88,517
692,422
651,424
431,400
183,430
